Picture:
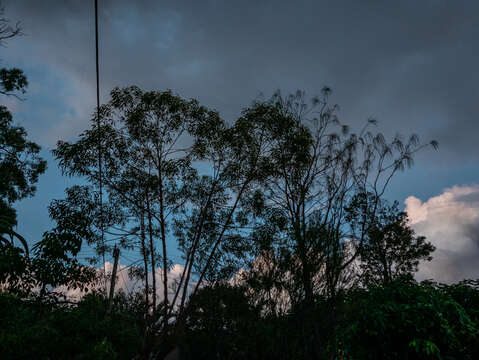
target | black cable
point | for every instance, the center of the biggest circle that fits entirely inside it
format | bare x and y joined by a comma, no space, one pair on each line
99,139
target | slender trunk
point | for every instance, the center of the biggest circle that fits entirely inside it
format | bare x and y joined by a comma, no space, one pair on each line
220,237
299,225
182,278
159,155
144,252
188,265
230,215
306,272
152,250
116,255
195,245
163,244
191,253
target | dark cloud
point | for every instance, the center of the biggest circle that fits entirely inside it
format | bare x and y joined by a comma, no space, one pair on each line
411,64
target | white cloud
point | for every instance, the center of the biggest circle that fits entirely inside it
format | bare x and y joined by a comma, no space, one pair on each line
450,221
130,285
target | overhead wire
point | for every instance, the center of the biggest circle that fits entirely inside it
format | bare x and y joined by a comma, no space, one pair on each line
100,161
100,177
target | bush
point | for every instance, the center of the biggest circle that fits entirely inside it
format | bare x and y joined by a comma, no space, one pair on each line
406,320
34,330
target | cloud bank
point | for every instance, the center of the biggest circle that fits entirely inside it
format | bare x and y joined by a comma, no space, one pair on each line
411,64
450,221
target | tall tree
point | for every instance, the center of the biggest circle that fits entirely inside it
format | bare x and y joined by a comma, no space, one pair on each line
177,171
319,170
149,140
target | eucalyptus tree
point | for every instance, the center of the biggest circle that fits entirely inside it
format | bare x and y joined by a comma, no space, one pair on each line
300,218
241,160
148,141
176,171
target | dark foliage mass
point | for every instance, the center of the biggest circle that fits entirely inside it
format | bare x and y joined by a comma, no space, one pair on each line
290,249
400,320
38,330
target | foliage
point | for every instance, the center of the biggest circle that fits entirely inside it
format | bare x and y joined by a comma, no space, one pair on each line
34,330
54,260
20,167
407,320
12,81
466,294
391,249
224,311
398,320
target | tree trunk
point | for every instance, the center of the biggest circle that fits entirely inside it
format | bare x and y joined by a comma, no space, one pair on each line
152,250
144,252
163,244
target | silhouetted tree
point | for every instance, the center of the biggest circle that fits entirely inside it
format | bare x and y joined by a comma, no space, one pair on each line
300,215
391,249
53,261
12,81
20,167
149,141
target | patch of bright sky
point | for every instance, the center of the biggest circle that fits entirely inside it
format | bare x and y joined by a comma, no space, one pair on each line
430,181
46,108
39,114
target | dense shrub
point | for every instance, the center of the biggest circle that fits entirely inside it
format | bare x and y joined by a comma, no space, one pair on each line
401,320
406,320
34,330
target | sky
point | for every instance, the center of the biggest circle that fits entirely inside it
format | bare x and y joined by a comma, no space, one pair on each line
412,65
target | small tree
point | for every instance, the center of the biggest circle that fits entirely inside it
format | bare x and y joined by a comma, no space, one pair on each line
392,249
